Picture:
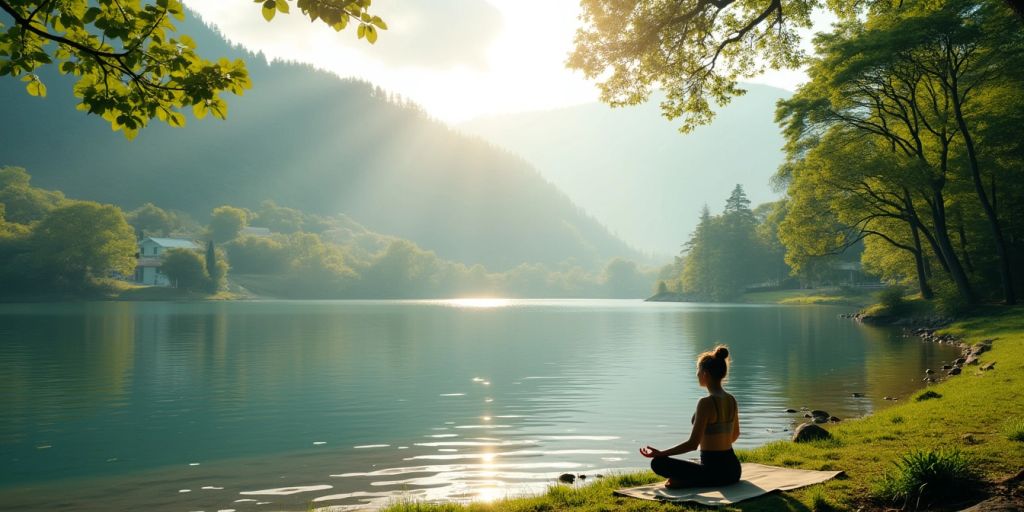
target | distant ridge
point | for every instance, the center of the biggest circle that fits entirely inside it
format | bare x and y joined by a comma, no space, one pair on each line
635,172
308,139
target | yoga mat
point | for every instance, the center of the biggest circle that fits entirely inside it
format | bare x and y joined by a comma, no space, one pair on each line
756,480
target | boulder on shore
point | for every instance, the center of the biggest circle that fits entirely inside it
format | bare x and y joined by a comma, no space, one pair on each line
809,432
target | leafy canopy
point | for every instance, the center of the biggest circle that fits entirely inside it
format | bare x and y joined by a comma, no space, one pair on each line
130,64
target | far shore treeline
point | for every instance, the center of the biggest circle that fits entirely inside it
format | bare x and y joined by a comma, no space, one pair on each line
49,243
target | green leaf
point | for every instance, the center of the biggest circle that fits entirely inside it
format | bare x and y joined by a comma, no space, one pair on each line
175,119
269,9
36,88
91,14
361,31
379,22
371,33
282,6
199,110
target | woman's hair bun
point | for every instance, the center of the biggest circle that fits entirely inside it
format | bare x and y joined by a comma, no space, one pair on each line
721,352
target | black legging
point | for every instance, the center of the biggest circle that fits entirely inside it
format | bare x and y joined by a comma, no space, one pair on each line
715,468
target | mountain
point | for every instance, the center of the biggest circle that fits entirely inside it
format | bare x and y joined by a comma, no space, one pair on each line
310,140
635,172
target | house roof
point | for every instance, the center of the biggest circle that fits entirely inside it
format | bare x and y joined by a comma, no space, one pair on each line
173,243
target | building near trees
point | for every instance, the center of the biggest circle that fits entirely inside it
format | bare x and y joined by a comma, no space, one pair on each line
151,250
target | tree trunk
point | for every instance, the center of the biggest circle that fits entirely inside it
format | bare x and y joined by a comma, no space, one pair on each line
1009,297
956,270
922,280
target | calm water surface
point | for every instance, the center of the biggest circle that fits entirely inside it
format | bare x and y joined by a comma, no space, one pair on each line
276,405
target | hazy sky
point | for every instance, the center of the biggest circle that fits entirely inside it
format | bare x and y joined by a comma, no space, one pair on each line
459,59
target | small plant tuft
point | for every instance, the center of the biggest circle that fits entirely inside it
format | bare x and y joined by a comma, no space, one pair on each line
923,477
819,500
927,395
1015,430
897,419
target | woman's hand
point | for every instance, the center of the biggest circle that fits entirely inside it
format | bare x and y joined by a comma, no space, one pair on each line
651,452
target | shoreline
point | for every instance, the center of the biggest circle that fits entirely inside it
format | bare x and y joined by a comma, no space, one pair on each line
972,413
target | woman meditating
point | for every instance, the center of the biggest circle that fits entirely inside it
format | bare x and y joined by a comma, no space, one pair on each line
716,426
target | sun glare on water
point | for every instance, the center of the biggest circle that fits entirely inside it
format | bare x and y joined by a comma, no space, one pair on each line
478,302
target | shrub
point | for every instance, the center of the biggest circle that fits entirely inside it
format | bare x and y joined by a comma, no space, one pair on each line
948,301
891,299
922,477
927,395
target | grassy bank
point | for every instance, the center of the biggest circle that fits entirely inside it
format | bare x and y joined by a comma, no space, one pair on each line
112,289
832,296
979,413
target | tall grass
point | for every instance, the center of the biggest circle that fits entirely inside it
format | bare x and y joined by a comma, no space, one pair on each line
923,477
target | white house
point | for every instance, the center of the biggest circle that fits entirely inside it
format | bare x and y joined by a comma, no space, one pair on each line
151,250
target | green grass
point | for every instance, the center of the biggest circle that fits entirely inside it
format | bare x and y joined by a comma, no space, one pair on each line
971,415
828,296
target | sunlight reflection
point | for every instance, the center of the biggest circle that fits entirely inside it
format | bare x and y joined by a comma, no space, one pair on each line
479,302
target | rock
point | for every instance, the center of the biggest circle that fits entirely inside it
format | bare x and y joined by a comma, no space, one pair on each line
581,476
808,415
857,395
790,411
947,367
998,504
954,371
971,359
598,476
927,395
809,432
959,362
929,371
819,412
567,478
889,398
834,419
989,366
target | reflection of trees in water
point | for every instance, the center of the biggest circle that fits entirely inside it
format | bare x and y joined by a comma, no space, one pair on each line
86,347
811,356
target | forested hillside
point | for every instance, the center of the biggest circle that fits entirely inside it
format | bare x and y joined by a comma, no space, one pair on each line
307,139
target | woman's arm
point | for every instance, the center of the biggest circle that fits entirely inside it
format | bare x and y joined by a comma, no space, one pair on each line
696,434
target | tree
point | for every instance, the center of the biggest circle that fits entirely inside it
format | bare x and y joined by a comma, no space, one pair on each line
901,78
81,241
216,268
279,218
258,255
186,269
152,220
129,66
25,203
226,221
696,50
622,278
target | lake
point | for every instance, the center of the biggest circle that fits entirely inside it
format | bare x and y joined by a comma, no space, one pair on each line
273,405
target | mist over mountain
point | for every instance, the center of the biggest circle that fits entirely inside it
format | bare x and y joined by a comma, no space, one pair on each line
310,140
634,171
